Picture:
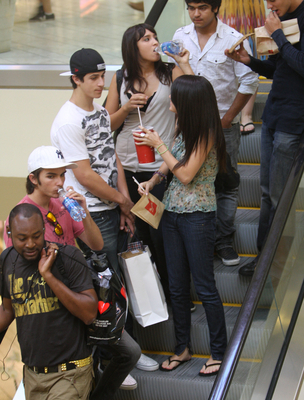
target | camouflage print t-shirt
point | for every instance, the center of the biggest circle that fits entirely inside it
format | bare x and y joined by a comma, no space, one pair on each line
82,135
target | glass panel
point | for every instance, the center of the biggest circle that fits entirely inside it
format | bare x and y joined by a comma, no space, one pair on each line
173,17
272,317
98,24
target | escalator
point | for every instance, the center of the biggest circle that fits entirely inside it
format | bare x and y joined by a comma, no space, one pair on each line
159,341
261,312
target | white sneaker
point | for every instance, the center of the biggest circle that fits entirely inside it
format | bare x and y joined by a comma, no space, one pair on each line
129,383
146,363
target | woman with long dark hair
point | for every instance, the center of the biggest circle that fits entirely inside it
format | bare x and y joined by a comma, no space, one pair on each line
189,218
146,86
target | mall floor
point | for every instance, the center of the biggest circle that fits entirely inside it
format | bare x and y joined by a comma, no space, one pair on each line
98,24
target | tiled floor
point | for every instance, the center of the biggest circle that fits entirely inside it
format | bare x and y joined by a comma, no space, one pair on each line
53,42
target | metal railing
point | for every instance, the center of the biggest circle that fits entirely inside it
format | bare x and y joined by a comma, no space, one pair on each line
253,294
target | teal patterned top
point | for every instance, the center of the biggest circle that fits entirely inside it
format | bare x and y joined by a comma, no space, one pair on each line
199,194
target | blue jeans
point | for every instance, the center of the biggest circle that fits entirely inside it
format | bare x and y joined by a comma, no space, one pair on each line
189,248
227,201
108,222
277,154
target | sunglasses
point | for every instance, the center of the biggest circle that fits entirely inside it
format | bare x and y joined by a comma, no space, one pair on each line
52,219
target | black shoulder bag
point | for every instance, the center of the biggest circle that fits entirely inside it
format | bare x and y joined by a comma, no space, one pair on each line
112,300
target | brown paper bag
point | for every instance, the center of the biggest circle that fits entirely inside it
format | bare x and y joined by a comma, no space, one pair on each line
231,50
265,45
149,209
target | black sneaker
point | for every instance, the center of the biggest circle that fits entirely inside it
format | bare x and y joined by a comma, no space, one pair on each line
229,256
47,17
39,14
248,269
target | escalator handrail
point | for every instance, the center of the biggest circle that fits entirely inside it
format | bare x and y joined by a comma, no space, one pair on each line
155,12
255,289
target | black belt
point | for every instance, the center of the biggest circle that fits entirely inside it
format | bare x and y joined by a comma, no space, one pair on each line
63,367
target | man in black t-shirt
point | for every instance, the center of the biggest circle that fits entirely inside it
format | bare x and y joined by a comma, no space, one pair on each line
50,316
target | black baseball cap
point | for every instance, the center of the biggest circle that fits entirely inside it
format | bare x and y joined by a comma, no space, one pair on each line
85,61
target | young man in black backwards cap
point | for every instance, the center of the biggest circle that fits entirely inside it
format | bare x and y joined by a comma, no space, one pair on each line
82,131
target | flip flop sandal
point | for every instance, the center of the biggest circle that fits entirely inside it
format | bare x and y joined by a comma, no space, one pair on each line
211,373
170,361
243,132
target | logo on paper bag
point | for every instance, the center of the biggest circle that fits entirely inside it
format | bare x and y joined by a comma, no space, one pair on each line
151,207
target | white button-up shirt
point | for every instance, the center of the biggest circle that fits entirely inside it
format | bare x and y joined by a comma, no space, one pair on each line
226,76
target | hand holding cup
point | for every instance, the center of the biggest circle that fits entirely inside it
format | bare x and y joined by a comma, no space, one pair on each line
147,137
145,150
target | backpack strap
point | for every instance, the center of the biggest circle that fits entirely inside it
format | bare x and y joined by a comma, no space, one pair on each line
3,257
119,78
59,265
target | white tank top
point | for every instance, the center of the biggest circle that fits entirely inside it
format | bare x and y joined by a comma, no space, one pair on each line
158,116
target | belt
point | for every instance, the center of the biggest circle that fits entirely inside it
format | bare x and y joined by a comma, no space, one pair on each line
63,367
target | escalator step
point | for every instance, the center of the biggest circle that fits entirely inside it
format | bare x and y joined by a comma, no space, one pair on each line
249,151
249,189
246,223
160,337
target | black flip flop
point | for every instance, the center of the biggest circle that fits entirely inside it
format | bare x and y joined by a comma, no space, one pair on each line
170,361
243,132
211,373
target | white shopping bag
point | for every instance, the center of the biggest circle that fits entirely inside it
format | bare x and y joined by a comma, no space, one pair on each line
145,292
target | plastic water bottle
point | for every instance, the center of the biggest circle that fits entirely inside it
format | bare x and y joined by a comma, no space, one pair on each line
172,47
73,207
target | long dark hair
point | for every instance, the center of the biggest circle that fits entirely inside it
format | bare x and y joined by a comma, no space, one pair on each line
198,117
130,56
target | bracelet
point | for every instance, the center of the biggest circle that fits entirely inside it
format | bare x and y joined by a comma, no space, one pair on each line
161,176
160,145
163,151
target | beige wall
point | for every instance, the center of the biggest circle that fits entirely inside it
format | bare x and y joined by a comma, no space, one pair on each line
26,117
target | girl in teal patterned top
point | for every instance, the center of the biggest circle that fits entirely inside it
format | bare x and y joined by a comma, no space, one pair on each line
188,222
197,195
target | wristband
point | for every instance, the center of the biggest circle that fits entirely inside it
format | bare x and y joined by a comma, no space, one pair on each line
163,151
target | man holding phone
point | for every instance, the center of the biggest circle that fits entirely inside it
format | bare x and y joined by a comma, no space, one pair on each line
48,312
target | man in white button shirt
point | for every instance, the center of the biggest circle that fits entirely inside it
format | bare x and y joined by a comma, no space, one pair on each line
206,39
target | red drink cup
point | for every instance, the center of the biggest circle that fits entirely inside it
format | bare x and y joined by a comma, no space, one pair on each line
145,154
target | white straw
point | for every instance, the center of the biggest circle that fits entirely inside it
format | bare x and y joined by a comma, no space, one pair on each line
139,185
139,116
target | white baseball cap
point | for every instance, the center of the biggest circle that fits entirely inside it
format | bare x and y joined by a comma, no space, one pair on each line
47,157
